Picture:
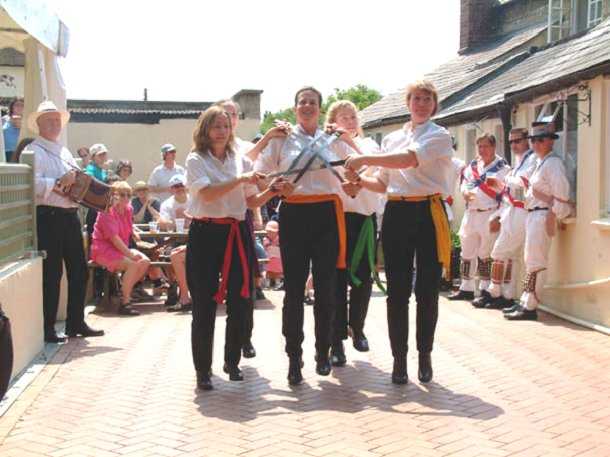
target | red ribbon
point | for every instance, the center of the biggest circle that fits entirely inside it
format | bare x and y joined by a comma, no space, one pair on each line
234,234
483,185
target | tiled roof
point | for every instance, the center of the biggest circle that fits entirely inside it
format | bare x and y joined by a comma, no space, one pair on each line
550,64
455,75
133,110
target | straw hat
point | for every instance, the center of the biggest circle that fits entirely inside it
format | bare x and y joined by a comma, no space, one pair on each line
46,107
543,130
140,185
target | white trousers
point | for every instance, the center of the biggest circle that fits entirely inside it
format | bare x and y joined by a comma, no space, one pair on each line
477,242
508,248
537,246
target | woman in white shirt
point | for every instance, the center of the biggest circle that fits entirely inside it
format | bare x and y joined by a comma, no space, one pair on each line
222,186
361,231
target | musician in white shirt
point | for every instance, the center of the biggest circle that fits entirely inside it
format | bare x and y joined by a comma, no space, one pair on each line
546,201
482,200
415,165
58,227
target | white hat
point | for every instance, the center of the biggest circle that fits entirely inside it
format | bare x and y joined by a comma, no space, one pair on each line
167,148
97,148
177,180
46,107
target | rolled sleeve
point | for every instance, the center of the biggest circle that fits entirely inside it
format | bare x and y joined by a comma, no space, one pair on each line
196,176
430,148
560,189
267,161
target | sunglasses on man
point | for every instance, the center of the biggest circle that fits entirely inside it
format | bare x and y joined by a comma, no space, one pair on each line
517,140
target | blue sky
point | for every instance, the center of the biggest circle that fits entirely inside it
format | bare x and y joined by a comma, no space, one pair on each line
207,50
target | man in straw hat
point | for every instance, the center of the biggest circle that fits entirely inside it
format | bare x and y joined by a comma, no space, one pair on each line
58,227
546,202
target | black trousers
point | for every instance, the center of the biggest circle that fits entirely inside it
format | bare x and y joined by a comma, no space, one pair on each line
408,233
59,233
204,258
254,274
352,311
308,235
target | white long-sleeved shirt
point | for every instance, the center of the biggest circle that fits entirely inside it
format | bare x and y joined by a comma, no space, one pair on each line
550,178
481,200
205,169
51,161
366,202
280,152
160,177
432,146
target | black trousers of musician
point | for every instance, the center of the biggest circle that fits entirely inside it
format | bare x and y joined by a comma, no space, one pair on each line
59,233
408,232
308,234
352,311
204,259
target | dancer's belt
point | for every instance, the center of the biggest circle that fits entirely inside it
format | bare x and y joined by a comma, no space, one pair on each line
441,227
537,208
366,241
300,199
234,235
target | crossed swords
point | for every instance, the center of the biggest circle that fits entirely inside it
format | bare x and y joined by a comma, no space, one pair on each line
321,143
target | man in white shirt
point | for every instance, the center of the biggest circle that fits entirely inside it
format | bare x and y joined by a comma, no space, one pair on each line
482,200
58,227
546,201
158,182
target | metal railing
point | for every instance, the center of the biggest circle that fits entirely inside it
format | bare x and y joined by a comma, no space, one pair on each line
17,211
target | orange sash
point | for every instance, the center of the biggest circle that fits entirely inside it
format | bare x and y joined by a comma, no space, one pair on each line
298,199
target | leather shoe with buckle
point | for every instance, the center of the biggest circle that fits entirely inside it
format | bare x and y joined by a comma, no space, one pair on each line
399,373
424,373
512,308
54,338
127,310
483,300
233,371
248,350
359,341
497,303
522,314
294,371
203,381
322,364
461,295
85,331
337,355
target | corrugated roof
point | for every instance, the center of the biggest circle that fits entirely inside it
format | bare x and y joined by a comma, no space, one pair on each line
455,75
544,66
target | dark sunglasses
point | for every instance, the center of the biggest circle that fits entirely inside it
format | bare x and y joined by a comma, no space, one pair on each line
519,140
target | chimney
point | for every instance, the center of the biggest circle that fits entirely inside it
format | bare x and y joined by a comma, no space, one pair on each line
475,22
145,94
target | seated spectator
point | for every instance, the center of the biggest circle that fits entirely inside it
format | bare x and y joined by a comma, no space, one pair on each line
145,208
160,176
274,272
97,165
12,127
113,230
84,155
175,206
124,169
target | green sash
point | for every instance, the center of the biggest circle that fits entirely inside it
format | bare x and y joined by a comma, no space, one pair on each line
366,242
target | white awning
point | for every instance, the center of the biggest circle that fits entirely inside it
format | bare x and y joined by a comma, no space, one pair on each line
22,19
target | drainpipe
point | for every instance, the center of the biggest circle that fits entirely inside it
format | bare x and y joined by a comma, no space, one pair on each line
505,113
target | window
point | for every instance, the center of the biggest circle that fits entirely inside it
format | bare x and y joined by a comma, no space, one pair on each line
566,17
565,115
594,12
470,150
499,134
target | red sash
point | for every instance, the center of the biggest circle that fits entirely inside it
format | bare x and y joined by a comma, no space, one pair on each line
482,184
234,234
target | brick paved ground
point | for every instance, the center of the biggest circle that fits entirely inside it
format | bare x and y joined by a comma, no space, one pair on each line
500,389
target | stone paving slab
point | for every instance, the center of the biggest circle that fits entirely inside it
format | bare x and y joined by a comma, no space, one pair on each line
500,389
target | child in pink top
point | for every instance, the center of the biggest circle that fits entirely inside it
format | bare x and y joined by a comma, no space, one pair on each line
271,243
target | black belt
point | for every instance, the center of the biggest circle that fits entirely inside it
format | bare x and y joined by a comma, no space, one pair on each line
537,208
45,209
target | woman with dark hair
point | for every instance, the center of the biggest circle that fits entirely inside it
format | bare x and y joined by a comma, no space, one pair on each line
222,186
124,169
312,231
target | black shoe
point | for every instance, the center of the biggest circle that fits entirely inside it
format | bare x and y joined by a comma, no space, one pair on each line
337,355
424,373
522,314
482,301
359,341
127,310
259,295
294,371
279,286
461,295
233,371
203,381
322,364
248,350
511,307
399,373
497,303
85,331
54,338
308,301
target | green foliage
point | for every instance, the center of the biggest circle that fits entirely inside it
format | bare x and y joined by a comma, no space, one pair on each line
360,95
455,240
